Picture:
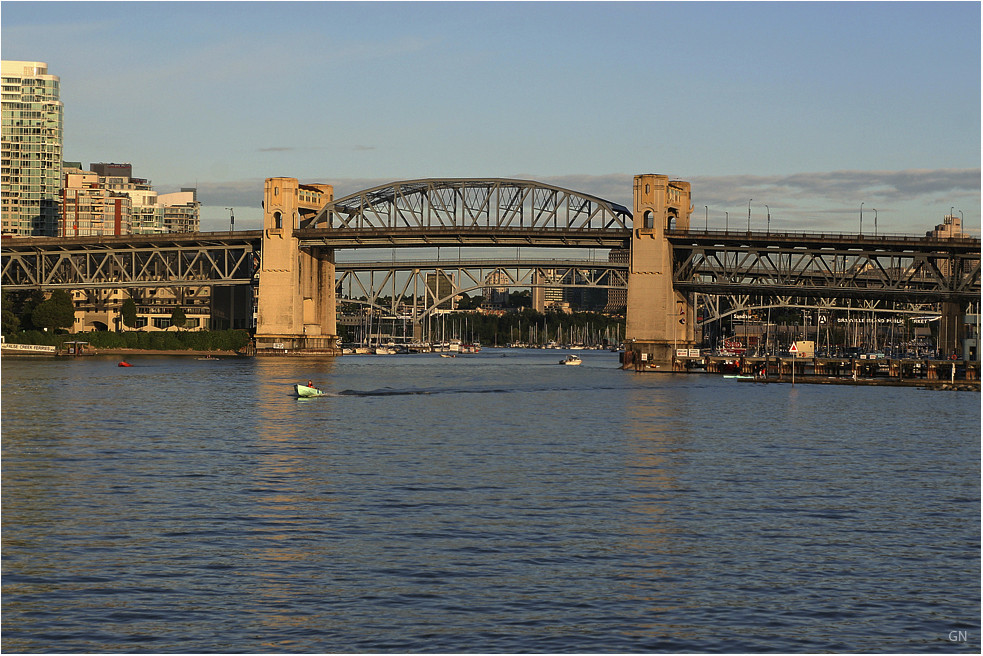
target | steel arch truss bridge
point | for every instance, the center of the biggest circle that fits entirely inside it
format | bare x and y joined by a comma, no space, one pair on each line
827,268
493,206
426,285
134,261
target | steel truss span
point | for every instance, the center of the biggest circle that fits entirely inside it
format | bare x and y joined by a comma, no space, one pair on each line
404,283
136,261
716,307
819,268
471,204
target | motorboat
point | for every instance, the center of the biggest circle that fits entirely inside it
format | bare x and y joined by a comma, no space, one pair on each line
572,360
305,392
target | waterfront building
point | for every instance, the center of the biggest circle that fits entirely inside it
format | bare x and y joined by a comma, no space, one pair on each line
31,149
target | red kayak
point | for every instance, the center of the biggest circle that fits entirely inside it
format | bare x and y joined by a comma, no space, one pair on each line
124,364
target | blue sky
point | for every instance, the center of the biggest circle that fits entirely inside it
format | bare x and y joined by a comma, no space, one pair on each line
808,107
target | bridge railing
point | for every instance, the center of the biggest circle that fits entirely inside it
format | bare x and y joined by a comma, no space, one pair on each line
967,240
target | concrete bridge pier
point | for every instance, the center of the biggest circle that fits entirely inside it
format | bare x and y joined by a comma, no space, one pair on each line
659,319
295,314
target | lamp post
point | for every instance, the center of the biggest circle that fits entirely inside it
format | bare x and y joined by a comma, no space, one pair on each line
769,218
726,221
861,218
749,214
875,221
706,218
232,219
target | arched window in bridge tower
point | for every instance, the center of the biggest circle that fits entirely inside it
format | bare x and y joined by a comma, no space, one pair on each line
671,221
277,220
648,220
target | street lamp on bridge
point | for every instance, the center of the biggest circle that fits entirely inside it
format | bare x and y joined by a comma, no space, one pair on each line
232,220
861,218
726,221
875,221
769,218
749,214
706,218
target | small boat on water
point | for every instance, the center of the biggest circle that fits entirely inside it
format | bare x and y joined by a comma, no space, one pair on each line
124,363
305,392
571,360
207,357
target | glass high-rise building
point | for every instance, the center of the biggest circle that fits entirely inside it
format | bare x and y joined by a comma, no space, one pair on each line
31,133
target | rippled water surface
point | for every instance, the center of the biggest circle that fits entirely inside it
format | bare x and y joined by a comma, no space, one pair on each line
491,503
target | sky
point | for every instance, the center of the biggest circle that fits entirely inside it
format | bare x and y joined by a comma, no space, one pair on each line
805,110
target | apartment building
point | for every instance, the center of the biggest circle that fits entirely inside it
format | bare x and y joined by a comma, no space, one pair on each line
31,173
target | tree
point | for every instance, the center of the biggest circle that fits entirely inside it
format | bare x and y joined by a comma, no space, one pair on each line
35,299
129,313
10,320
178,318
56,312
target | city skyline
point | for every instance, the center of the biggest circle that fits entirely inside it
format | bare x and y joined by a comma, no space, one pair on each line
802,110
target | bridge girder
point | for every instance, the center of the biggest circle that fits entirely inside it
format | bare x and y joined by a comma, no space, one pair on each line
147,262
894,268
467,203
402,282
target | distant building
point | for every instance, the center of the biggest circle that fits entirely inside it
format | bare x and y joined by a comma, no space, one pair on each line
88,208
148,214
32,149
617,298
108,200
950,228
546,297
439,285
181,210
496,296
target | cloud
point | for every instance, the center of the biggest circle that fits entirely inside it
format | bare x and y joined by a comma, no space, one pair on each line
874,185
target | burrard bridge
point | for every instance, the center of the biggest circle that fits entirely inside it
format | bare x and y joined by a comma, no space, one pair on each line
314,250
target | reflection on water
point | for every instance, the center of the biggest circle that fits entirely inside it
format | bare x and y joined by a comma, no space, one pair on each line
488,503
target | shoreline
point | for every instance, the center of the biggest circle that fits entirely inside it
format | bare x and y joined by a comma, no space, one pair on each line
921,383
132,352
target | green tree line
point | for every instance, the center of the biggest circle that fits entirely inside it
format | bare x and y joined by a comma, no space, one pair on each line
34,319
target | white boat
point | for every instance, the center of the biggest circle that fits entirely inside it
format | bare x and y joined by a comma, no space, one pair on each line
572,360
305,392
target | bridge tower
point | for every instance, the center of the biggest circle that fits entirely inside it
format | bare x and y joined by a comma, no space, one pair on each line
295,311
659,319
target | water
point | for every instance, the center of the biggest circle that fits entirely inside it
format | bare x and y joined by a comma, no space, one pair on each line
491,503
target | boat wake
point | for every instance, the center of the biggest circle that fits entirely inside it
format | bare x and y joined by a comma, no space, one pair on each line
388,391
